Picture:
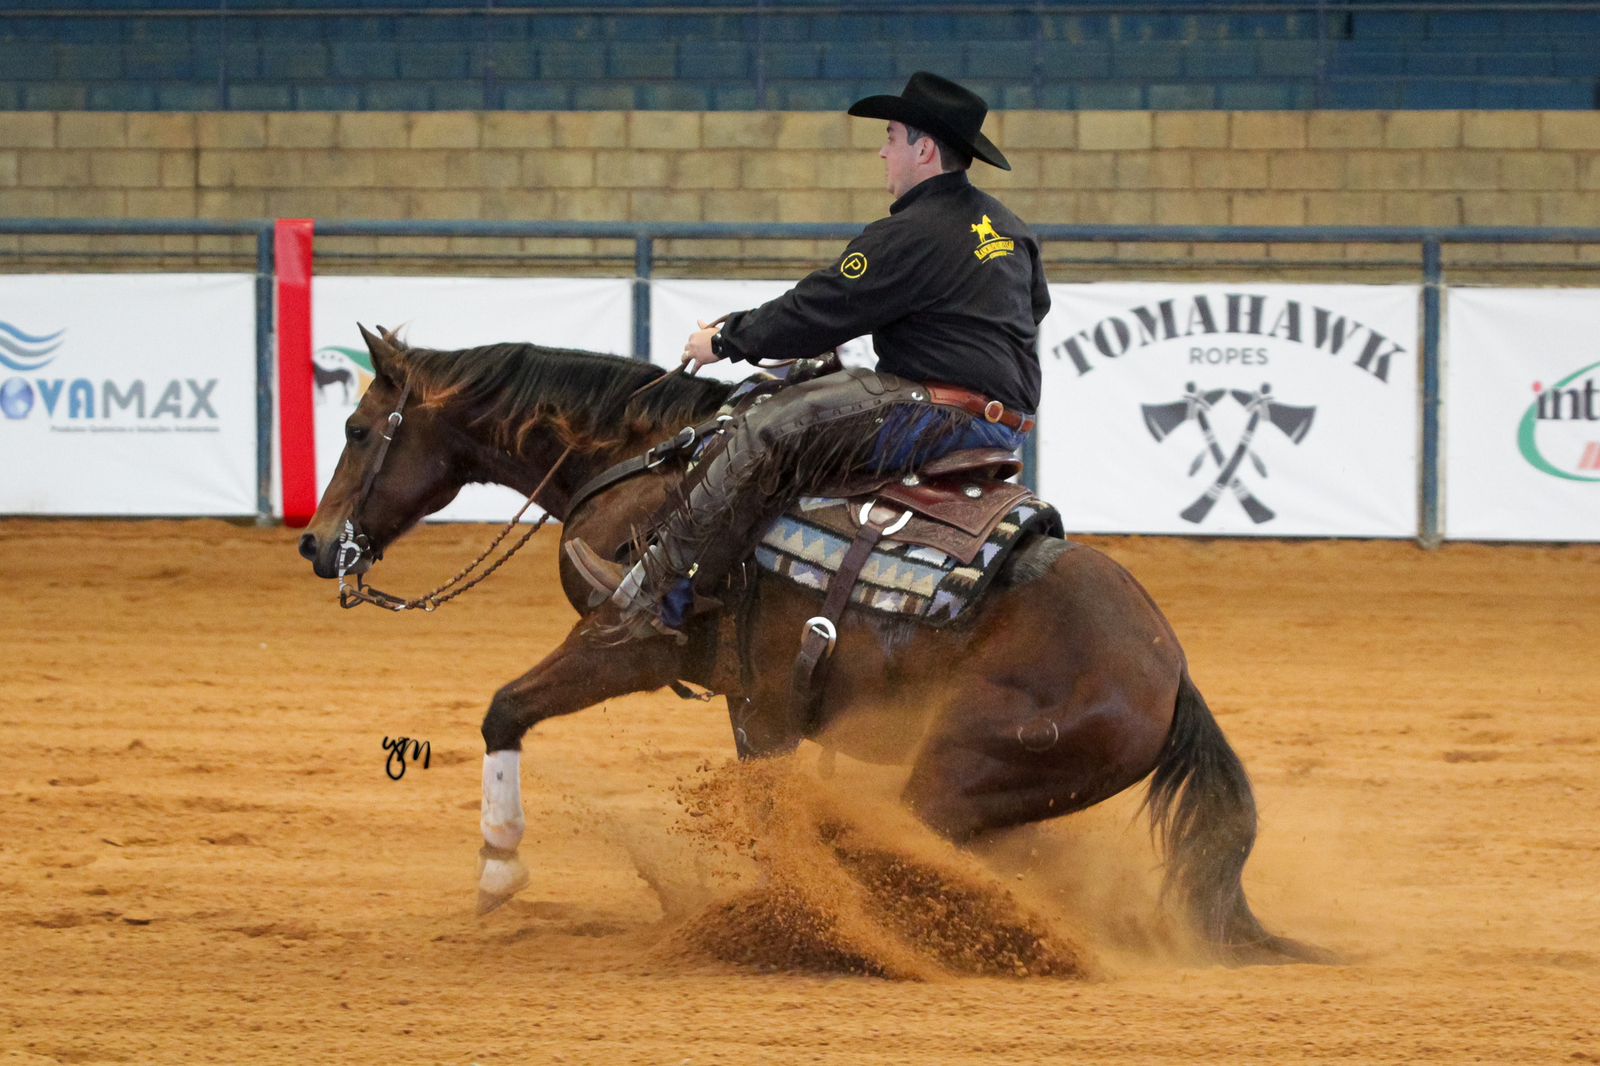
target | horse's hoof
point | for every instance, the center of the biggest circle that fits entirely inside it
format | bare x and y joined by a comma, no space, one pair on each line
499,880
488,901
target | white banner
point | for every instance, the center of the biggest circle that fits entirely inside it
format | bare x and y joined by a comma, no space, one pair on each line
128,394
1266,410
677,307
1522,390
449,313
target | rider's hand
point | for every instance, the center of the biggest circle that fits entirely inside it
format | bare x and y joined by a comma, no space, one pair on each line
698,347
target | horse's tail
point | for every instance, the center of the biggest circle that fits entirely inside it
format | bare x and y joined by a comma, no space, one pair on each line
1201,803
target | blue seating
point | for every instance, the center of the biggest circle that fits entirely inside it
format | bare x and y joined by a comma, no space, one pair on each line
607,96
1190,97
1147,61
1434,94
261,96
327,98
676,96
809,54
636,61
535,96
1259,96
396,96
1110,96
23,61
572,59
462,95
121,96
304,62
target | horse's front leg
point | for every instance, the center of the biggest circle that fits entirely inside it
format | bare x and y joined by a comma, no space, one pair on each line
579,674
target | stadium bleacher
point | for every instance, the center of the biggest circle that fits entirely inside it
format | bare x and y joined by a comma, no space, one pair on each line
413,55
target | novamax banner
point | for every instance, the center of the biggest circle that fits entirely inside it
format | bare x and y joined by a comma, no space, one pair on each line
1522,436
1265,410
450,313
128,394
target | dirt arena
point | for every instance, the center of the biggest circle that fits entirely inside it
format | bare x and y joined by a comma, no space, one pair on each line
202,858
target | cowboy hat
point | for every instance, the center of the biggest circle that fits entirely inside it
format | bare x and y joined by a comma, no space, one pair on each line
941,107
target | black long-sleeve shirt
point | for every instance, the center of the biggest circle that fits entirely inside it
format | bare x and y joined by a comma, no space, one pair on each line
950,286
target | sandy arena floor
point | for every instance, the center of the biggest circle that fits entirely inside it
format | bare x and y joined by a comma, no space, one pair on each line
203,860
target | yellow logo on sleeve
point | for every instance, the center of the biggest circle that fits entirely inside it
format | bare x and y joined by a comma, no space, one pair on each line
991,245
854,265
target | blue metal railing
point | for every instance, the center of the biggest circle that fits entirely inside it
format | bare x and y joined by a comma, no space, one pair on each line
1430,241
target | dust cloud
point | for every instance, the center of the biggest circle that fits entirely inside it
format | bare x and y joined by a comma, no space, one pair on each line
777,867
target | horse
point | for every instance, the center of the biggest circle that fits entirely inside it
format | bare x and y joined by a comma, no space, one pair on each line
1066,687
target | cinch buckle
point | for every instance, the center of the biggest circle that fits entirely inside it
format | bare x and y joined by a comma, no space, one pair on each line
993,411
889,531
824,628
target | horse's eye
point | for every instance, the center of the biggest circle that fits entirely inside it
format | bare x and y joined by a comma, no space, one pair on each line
354,434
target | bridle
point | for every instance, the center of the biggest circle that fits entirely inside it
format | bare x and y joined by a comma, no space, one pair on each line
354,545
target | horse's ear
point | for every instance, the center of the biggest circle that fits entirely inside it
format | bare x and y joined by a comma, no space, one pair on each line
385,355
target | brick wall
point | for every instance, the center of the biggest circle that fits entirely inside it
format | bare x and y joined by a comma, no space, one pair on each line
1185,167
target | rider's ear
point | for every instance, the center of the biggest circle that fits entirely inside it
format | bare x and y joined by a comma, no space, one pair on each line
385,356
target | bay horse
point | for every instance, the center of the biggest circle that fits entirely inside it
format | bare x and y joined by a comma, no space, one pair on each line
1065,687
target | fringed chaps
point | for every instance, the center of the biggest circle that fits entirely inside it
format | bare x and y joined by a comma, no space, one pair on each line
802,440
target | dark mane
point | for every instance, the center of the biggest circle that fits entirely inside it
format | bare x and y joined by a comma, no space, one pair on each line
584,397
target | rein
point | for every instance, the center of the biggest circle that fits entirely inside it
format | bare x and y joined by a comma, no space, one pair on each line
353,545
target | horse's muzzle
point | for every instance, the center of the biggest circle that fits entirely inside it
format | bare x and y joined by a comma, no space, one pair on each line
335,557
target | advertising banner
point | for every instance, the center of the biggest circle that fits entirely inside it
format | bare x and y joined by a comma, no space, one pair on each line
128,394
1262,410
1522,393
451,313
677,307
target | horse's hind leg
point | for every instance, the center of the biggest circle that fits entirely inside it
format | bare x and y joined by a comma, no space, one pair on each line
998,759
578,674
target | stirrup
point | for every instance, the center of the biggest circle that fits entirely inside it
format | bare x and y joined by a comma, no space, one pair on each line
600,573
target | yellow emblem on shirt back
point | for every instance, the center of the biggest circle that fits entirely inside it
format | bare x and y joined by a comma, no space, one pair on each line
991,245
854,265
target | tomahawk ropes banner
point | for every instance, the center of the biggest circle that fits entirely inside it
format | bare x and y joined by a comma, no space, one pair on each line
1522,442
678,307
451,313
128,394
1269,410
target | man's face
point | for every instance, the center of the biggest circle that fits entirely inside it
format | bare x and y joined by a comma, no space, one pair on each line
901,160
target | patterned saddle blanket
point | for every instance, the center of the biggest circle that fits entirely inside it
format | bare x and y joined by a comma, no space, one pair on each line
910,580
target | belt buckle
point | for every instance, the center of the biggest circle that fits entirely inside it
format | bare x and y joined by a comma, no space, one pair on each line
993,411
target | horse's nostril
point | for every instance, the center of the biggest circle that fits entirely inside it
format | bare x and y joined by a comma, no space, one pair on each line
308,546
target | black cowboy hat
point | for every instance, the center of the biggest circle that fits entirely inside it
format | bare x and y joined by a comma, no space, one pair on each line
941,107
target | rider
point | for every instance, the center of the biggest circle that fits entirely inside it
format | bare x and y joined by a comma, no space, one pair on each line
951,287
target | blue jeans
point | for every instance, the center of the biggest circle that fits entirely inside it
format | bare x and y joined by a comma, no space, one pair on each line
975,434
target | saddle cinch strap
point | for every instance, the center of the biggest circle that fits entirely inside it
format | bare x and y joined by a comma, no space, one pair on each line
821,631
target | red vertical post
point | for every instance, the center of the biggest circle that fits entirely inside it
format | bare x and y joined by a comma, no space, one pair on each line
296,430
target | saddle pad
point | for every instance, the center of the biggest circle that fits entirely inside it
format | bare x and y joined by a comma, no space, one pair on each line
907,580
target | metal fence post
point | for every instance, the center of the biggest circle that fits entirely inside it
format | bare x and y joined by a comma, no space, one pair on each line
1432,285
265,268
643,264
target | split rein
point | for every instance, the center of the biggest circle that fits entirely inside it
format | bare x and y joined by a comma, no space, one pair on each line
352,545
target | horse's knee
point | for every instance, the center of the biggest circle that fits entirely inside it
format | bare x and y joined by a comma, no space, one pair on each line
502,726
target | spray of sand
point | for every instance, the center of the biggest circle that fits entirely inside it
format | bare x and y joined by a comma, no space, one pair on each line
834,876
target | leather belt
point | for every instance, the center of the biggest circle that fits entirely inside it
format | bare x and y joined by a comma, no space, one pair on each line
977,404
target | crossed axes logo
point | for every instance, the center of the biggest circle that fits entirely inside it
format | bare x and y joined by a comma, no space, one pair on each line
1162,419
